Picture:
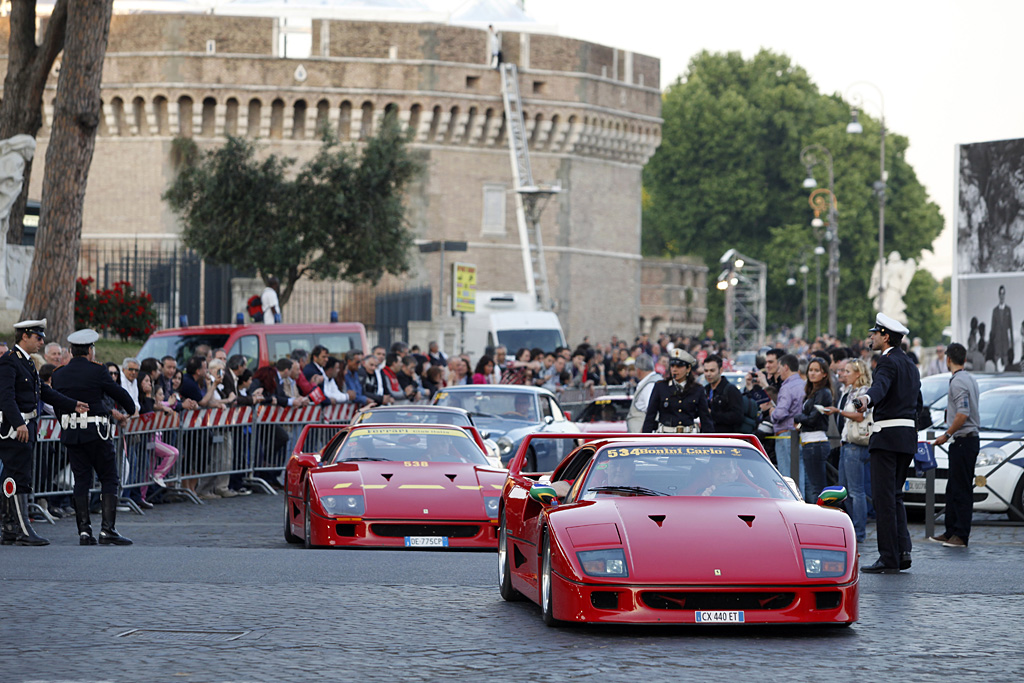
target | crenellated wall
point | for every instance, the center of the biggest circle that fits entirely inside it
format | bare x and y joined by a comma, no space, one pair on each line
592,116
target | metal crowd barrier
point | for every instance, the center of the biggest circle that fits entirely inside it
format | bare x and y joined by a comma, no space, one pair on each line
213,445
932,510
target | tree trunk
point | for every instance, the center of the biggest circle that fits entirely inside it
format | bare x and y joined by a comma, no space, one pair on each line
51,284
28,67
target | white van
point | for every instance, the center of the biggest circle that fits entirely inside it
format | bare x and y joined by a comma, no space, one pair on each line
510,319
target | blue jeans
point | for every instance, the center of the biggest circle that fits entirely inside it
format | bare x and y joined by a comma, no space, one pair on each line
813,457
853,460
783,456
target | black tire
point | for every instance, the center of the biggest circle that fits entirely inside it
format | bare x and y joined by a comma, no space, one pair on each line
288,535
1018,502
547,600
307,524
508,593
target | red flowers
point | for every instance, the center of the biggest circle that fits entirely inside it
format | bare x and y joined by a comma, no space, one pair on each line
119,309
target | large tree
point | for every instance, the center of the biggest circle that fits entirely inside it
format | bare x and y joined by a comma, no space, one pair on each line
28,68
728,174
341,216
77,111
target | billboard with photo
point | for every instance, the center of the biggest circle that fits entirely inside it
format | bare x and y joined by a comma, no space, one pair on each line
988,281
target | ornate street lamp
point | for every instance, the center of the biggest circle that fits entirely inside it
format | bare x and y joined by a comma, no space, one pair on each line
810,156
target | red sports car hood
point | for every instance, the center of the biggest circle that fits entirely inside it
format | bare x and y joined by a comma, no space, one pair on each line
399,490
706,540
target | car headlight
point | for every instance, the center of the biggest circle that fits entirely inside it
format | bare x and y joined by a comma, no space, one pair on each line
821,564
491,506
344,505
504,445
993,455
611,562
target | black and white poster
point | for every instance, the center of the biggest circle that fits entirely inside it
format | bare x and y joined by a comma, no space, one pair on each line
988,285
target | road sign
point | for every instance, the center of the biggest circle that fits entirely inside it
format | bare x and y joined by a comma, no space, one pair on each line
464,281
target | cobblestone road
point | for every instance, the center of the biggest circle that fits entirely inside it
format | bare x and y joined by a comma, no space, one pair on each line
222,571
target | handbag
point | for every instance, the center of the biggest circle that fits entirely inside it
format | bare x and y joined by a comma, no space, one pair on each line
858,433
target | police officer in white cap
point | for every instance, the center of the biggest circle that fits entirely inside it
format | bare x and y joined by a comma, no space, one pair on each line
20,391
895,396
87,439
678,401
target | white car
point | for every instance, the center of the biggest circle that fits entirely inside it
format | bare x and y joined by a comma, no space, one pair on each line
999,472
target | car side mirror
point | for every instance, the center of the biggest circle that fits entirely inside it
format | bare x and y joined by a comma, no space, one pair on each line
548,419
485,435
545,495
306,461
832,496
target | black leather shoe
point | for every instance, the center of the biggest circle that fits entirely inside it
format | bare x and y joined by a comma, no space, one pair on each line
879,568
904,561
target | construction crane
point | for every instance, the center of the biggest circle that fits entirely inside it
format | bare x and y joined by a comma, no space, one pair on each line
530,198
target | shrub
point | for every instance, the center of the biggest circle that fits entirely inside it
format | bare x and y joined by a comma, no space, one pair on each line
120,310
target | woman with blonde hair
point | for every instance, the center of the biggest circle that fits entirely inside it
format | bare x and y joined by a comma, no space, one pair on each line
855,431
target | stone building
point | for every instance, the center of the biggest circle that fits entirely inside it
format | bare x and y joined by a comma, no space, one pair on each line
592,116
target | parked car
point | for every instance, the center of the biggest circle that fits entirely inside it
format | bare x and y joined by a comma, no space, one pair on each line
985,383
673,529
508,413
604,414
260,344
1002,439
426,415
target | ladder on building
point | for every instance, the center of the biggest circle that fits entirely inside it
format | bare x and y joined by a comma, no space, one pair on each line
530,199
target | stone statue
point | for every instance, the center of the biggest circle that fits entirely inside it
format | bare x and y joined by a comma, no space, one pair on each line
898,274
15,152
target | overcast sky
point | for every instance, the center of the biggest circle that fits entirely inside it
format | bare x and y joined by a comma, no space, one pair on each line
946,68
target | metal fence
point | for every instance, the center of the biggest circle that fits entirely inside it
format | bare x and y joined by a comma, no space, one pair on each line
192,453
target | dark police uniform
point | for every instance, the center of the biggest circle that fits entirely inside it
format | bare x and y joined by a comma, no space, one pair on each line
677,406
20,391
895,398
87,441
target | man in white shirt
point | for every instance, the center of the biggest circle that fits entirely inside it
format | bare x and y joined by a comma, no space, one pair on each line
331,389
129,379
644,366
271,306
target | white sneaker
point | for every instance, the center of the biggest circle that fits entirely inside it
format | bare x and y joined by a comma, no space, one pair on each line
159,481
225,492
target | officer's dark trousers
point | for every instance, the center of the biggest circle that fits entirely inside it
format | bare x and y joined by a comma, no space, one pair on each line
963,456
17,459
888,475
95,456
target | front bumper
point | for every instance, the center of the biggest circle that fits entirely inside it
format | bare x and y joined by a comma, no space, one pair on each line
358,532
631,604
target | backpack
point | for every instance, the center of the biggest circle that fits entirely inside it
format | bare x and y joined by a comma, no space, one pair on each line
751,416
255,308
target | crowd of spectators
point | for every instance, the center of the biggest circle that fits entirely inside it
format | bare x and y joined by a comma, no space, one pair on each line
788,385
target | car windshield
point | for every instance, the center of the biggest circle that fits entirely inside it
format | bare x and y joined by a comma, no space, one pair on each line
1001,411
681,470
548,340
181,347
604,410
413,416
507,405
411,444
935,387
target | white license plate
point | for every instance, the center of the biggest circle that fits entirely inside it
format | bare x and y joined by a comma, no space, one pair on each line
914,486
426,541
719,617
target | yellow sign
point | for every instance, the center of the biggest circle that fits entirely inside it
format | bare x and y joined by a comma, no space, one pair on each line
464,280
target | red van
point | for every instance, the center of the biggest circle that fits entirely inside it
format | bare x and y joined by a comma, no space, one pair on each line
261,344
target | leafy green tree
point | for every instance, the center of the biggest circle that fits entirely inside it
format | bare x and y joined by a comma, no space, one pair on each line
728,175
341,216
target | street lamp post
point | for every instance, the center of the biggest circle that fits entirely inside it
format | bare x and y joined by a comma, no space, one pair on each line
809,157
854,127
803,271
